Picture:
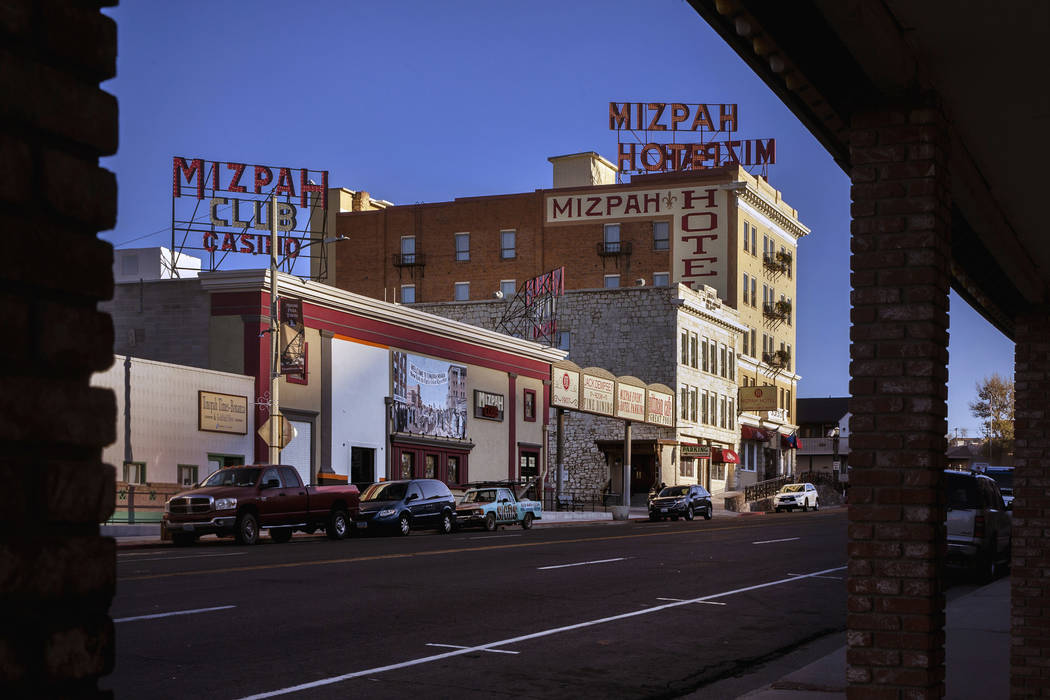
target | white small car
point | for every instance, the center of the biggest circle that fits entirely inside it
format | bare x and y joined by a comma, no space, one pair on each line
792,496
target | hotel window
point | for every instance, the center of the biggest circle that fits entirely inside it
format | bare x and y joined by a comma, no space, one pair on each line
462,246
746,345
187,474
408,294
703,354
787,401
754,346
683,403
746,288
732,415
692,403
612,281
134,472
789,357
723,361
686,466
723,416
507,245
754,241
563,340
408,249
791,310
754,291
705,417
661,235
713,351
693,362
747,247
529,405
685,347
508,288
765,246
612,238
462,290
661,279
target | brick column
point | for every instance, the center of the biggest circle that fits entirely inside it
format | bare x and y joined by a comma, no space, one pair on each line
57,575
898,386
1029,586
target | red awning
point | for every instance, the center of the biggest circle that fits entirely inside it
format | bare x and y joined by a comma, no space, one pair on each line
730,457
749,433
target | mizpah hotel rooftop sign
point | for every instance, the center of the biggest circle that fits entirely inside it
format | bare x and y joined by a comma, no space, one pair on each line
677,136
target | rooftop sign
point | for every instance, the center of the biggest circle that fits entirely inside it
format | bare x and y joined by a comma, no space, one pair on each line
679,136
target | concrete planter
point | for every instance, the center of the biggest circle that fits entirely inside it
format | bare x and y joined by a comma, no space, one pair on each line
620,512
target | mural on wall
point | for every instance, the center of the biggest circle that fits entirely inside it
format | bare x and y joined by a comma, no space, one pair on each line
430,396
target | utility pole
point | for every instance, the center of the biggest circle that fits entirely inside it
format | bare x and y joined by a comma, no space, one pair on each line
275,341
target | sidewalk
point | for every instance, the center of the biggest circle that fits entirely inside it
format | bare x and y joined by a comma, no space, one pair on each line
977,653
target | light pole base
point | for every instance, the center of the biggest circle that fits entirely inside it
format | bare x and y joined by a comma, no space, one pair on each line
620,512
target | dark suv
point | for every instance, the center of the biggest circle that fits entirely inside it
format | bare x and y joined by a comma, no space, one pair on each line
685,501
977,522
404,505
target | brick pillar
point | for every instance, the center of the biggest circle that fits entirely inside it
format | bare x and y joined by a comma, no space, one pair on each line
57,575
1029,588
898,386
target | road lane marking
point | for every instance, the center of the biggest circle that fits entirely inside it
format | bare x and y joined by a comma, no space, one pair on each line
526,637
581,563
833,578
786,539
703,602
491,537
188,556
172,614
460,550
456,646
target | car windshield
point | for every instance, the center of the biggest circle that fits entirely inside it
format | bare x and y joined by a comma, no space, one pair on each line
233,477
486,496
384,492
675,491
792,488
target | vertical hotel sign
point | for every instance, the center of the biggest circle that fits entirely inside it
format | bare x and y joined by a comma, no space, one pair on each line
698,223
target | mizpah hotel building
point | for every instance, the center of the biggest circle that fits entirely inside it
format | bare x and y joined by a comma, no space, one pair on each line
719,231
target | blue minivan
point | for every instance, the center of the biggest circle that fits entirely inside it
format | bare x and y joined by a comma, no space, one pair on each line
401,506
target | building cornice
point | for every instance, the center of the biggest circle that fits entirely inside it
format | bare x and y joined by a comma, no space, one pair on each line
746,192
366,307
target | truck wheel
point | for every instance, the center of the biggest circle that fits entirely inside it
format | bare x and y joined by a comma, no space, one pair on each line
403,526
280,534
446,524
183,539
526,522
490,522
337,524
247,529
689,513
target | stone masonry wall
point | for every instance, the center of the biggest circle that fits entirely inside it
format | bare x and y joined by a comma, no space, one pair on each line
162,320
57,575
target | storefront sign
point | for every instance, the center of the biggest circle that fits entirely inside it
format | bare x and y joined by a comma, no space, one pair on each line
690,451
659,408
598,394
713,125
488,405
698,222
757,398
565,388
630,402
235,201
222,413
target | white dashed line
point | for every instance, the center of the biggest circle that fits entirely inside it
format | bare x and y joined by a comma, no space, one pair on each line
786,539
190,556
172,614
582,563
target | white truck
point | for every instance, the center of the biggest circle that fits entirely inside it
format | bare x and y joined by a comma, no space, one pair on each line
492,506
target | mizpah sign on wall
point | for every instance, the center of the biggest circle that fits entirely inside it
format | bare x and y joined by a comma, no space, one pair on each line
220,209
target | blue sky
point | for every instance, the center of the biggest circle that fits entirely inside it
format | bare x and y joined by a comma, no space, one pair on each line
424,101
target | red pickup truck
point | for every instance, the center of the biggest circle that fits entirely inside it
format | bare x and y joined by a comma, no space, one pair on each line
241,501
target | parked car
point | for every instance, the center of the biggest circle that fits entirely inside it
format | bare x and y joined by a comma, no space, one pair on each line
977,523
792,496
1004,479
491,507
687,501
402,506
242,501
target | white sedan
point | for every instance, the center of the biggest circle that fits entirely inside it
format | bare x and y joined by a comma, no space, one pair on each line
792,496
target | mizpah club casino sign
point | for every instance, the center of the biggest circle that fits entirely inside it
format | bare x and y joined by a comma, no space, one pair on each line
221,208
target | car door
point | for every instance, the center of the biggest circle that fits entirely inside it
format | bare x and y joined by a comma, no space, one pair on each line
811,495
273,501
505,508
297,504
997,515
417,505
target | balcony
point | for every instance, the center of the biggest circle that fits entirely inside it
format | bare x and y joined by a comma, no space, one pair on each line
784,258
608,249
780,359
823,446
774,310
409,259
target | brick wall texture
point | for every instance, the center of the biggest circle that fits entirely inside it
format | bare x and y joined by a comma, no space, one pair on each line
1029,587
57,575
898,383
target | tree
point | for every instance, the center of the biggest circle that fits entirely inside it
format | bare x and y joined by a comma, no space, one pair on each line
994,407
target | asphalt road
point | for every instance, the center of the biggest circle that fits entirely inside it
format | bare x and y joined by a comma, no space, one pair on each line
612,610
